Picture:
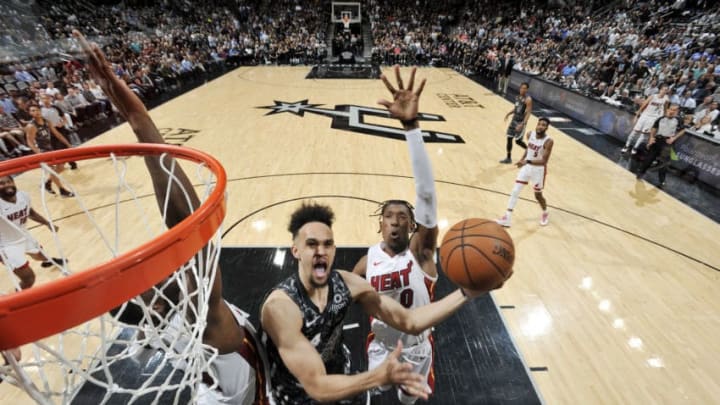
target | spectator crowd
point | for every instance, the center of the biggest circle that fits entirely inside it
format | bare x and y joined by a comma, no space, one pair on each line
621,51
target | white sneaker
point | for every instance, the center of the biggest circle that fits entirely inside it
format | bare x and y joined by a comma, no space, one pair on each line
504,221
624,150
24,148
633,152
544,218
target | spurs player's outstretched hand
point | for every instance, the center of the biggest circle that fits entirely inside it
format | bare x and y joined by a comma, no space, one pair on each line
405,101
402,374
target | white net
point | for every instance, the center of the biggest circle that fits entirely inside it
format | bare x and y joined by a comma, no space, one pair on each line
148,350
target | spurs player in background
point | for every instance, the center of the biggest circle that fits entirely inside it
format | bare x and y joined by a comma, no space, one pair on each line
520,114
533,168
15,241
402,266
650,111
239,369
39,138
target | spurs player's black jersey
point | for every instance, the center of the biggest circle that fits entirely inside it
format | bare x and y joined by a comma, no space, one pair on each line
43,136
520,109
322,329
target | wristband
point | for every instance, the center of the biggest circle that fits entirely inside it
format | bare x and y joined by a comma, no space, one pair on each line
528,162
409,123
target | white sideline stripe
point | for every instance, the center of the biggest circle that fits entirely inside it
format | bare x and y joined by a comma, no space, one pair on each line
587,131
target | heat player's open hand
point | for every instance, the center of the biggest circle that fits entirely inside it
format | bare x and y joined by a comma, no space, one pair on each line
405,99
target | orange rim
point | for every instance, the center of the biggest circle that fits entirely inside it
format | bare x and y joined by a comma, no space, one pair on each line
50,308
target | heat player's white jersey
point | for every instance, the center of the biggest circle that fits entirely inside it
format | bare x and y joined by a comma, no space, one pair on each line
535,147
14,216
236,378
656,106
401,278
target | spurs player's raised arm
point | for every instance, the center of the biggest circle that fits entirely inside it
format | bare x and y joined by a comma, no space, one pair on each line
411,321
222,330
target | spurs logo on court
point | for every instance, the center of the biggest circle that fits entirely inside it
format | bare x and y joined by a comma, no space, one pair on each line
177,136
352,118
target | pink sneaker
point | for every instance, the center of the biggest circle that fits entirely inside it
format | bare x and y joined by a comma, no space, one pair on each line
544,218
504,221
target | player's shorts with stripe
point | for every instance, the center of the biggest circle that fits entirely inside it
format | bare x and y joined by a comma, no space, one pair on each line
644,123
512,131
13,254
532,174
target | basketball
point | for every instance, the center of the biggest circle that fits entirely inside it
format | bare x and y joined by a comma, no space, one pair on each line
477,254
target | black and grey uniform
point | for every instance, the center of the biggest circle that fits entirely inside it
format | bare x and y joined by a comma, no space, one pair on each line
518,118
322,329
43,136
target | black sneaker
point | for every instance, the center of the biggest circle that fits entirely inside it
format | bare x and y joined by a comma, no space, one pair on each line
48,187
506,161
54,261
73,165
66,193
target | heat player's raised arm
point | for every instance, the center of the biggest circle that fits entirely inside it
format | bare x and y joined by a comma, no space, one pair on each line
405,107
412,321
424,240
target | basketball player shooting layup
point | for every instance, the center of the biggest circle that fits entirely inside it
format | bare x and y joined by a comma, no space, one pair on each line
239,369
532,169
302,317
402,267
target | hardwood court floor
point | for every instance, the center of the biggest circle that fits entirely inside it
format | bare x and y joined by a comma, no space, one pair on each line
616,298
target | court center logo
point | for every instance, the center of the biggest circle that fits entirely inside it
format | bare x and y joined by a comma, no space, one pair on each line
352,118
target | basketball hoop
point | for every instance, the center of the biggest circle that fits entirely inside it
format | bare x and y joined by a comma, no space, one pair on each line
75,308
